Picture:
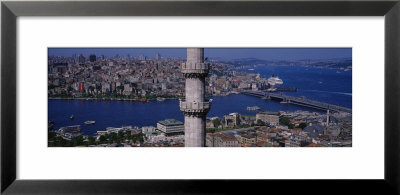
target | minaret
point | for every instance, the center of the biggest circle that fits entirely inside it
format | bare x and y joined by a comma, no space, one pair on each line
327,118
327,122
194,106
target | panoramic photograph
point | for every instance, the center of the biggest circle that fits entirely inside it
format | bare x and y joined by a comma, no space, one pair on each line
199,97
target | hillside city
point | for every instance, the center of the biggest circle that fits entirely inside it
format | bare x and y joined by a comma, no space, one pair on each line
129,78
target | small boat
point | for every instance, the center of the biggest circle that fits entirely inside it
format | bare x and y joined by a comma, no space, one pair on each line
160,99
141,100
252,108
90,122
71,117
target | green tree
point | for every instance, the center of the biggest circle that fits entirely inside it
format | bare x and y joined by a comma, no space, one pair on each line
113,138
51,86
284,121
216,123
120,88
302,125
120,136
77,141
260,122
91,140
128,135
91,88
210,130
61,142
51,135
102,139
141,137
244,125
134,139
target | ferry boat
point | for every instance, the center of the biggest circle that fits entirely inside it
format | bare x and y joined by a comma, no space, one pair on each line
141,100
273,80
252,108
90,122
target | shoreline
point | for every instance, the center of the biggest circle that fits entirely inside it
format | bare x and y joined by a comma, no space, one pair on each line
106,99
264,65
126,99
144,100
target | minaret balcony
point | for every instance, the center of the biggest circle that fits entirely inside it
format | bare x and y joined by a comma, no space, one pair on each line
195,107
196,68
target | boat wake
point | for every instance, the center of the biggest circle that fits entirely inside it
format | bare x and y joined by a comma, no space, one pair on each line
333,92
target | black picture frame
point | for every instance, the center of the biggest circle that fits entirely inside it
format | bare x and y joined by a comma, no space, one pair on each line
10,10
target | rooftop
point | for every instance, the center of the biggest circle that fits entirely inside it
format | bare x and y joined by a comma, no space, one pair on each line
269,113
170,122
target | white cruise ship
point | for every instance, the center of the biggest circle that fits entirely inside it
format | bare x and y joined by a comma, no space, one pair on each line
273,80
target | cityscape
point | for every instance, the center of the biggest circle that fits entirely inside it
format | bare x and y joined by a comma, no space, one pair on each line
199,97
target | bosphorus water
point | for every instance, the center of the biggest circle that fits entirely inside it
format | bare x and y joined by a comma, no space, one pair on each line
326,85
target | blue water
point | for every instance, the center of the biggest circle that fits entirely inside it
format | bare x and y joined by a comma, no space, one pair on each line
325,85
317,84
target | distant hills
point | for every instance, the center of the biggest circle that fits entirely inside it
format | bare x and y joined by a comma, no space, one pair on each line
339,63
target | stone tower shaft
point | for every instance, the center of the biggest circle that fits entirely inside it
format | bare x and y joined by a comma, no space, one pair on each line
194,107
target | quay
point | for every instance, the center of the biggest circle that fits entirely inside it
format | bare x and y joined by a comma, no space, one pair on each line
300,101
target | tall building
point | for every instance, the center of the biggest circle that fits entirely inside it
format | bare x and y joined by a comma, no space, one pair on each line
81,59
232,120
92,58
81,86
158,56
195,107
142,57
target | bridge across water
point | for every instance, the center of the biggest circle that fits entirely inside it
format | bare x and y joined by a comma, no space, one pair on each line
300,101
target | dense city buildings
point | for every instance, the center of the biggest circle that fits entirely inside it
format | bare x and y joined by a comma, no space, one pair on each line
270,118
140,78
92,58
294,129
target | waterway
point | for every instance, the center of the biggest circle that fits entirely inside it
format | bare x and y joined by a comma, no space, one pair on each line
326,85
